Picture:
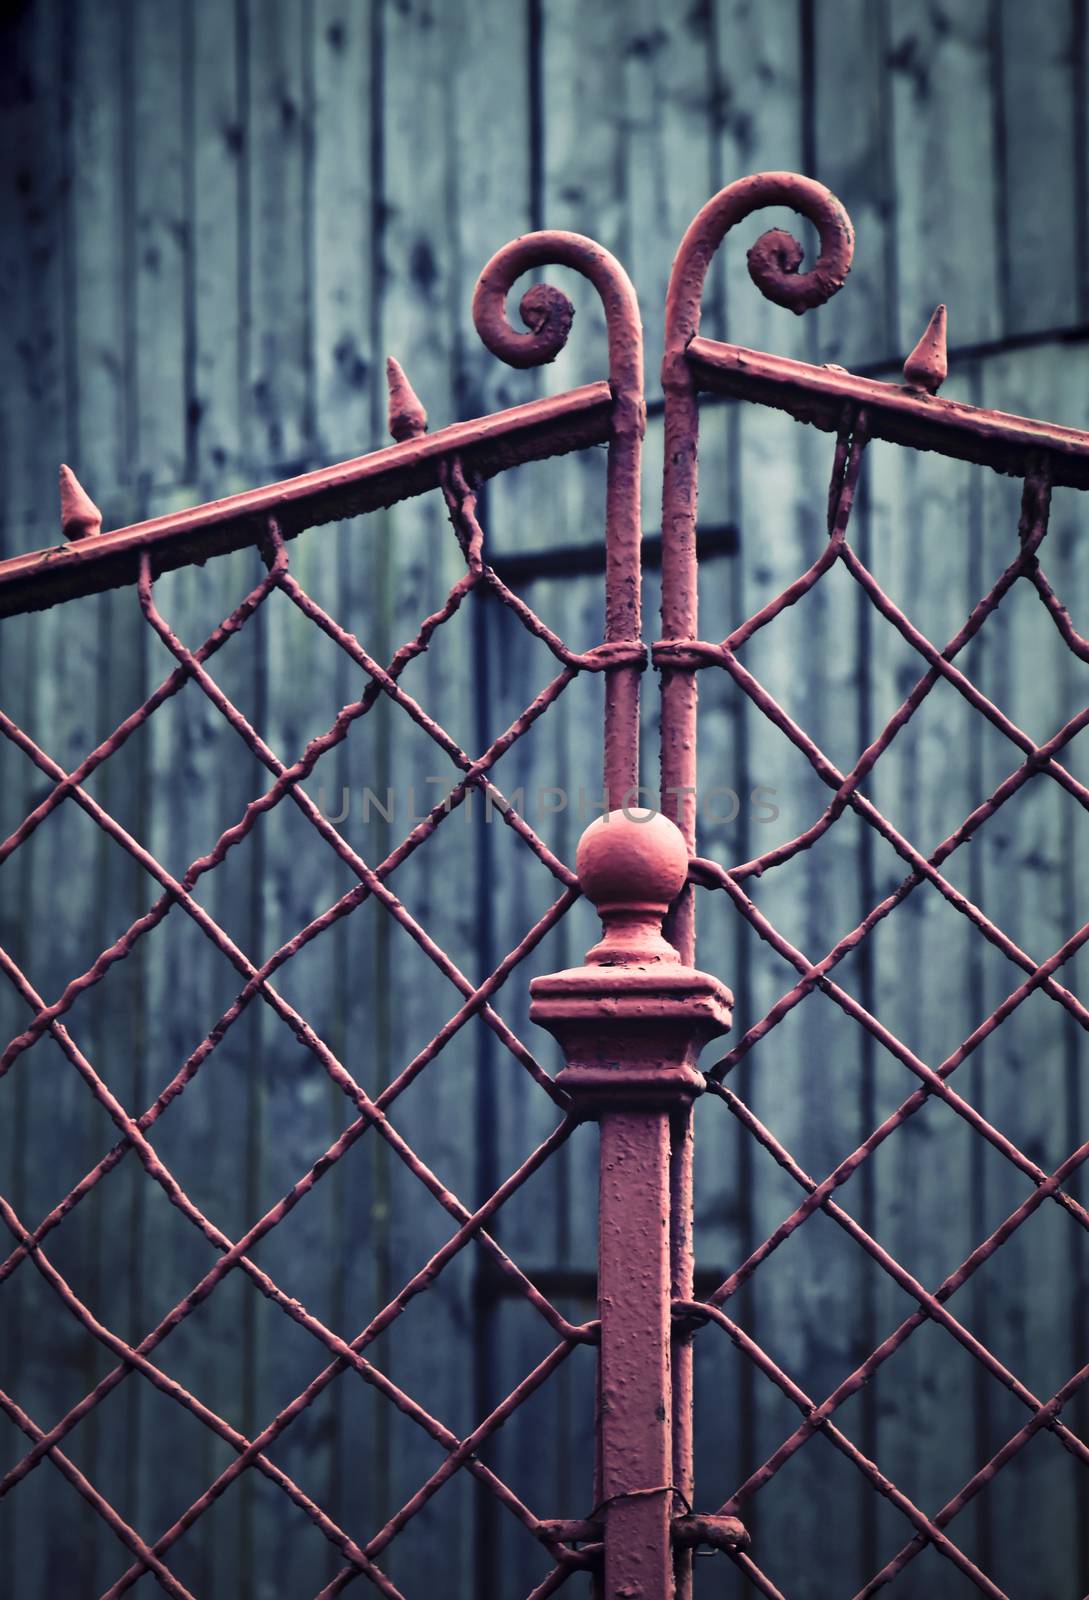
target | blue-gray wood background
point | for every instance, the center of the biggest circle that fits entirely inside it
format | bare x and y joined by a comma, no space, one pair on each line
219,216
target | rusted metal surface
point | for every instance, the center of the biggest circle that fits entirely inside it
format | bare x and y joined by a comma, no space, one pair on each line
632,1022
80,517
1043,454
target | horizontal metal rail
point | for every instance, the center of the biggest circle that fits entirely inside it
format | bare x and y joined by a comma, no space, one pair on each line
897,413
485,446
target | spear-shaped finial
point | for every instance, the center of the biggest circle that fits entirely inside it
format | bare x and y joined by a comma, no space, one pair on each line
80,517
407,417
927,367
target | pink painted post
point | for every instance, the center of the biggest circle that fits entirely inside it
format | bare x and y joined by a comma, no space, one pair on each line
631,1023
773,266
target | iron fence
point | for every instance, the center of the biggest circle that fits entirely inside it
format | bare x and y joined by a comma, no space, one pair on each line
633,1018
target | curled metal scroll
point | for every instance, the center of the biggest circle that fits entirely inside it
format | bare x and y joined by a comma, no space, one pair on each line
774,259
548,314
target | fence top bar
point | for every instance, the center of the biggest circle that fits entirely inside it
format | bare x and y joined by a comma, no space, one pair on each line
546,427
894,412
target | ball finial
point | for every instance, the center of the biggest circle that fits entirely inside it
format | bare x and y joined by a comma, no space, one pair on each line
632,864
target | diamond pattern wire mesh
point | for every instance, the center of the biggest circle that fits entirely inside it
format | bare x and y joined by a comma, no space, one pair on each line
847,792
565,1543
361,1559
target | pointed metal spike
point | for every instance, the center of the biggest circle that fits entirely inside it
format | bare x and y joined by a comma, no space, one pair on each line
407,417
927,367
80,517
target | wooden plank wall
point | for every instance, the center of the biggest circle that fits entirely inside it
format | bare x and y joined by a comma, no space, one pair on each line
219,217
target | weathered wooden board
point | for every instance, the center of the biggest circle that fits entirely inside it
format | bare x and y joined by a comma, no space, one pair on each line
850,150
759,126
48,1105
1037,77
1036,892
947,179
923,982
426,1354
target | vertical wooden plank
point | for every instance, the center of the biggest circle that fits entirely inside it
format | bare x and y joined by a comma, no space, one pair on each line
153,267
850,152
583,170
585,173
215,1349
1036,82
49,1103
848,147
351,408
198,780
301,877
278,375
19,1553
106,404
231,1091
344,88
277,431
1024,870
778,512
59,1358
217,165
221,1342
805,1079
549,1226
596,68
493,202
97,210
761,104
349,953
584,147
430,1355
669,150
161,240
944,170
1069,564
296,877
759,126
942,94
161,787
926,973
346,100
493,196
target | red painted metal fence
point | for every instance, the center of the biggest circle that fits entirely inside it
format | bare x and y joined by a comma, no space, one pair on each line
633,1019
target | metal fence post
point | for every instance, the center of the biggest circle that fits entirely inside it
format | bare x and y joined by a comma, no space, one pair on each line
631,1023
